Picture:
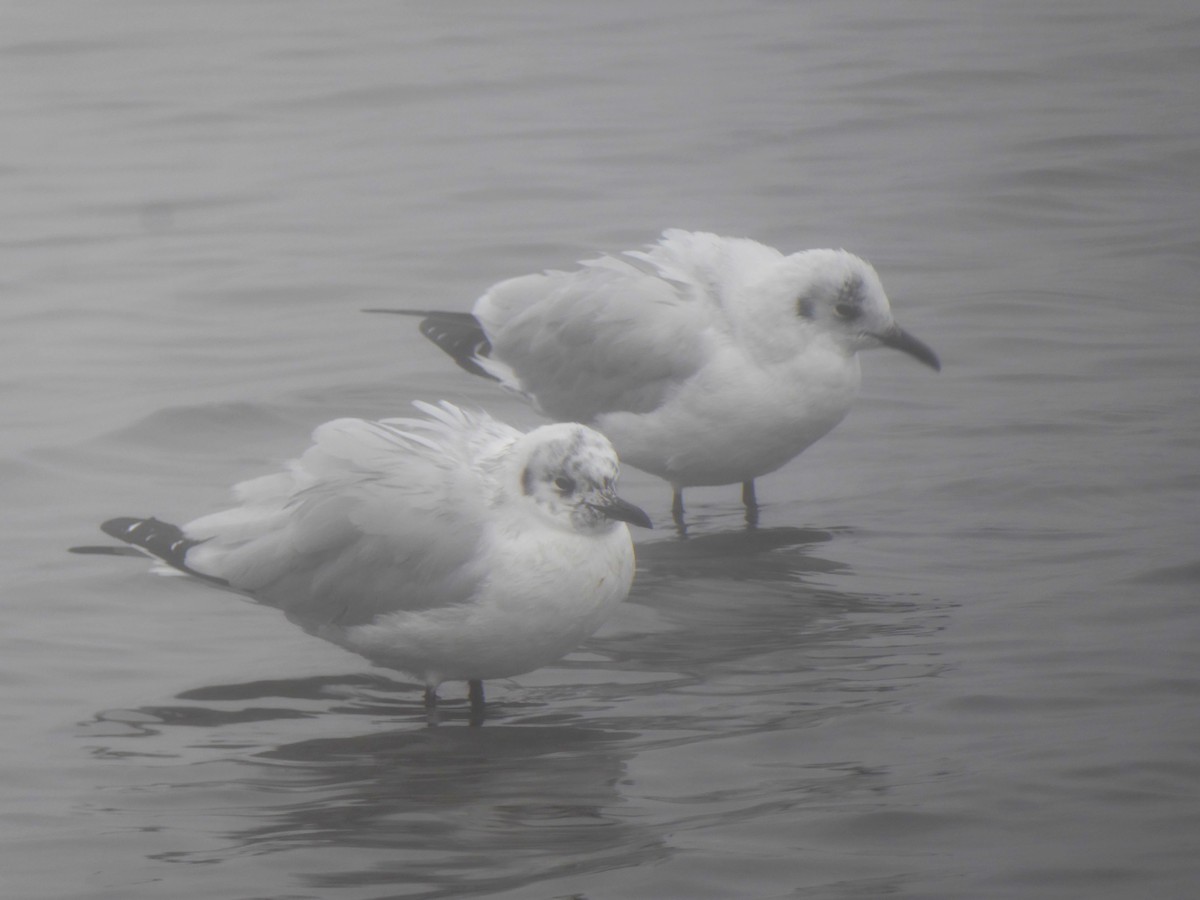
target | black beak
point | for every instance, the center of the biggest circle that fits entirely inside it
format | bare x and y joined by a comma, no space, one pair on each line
614,507
899,339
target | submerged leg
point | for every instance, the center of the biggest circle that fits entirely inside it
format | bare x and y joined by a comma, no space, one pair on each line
431,710
677,509
750,501
475,695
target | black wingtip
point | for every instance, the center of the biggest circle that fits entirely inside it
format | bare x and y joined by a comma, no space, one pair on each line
125,528
159,538
459,335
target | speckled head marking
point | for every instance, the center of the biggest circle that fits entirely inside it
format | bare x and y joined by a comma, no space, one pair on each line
848,304
570,475
834,294
845,300
833,288
839,295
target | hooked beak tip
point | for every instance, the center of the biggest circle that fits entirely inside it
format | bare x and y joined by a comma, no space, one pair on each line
899,339
623,511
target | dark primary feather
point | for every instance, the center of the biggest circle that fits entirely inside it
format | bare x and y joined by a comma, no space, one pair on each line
458,334
162,539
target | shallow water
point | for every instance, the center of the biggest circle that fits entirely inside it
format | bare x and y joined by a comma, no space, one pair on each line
958,657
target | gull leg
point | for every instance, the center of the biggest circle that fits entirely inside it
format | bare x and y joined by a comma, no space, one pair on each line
431,706
475,695
677,511
750,501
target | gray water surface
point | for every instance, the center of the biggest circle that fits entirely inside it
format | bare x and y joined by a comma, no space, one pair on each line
957,659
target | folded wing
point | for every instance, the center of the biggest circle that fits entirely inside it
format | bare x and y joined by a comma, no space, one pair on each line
375,517
616,334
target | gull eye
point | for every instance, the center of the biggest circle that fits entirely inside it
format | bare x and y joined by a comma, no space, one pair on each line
565,484
847,311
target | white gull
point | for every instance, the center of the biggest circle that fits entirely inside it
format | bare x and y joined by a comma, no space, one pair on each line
451,547
706,360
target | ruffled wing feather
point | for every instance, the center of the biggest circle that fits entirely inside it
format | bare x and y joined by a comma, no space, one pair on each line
375,517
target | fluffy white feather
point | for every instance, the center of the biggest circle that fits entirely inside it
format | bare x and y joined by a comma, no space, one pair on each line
704,359
450,546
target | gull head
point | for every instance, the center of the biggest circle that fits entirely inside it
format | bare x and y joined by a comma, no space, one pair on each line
839,296
568,477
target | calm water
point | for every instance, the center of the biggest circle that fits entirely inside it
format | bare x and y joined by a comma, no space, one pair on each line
959,658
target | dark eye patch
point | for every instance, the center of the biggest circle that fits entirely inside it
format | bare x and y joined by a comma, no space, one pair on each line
848,311
804,308
565,484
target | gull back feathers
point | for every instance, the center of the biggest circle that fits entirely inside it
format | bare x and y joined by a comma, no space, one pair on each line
323,540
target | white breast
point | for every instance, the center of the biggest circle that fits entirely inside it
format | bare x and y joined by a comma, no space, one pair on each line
737,420
542,597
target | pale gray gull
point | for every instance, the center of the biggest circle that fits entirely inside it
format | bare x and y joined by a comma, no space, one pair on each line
450,547
706,360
